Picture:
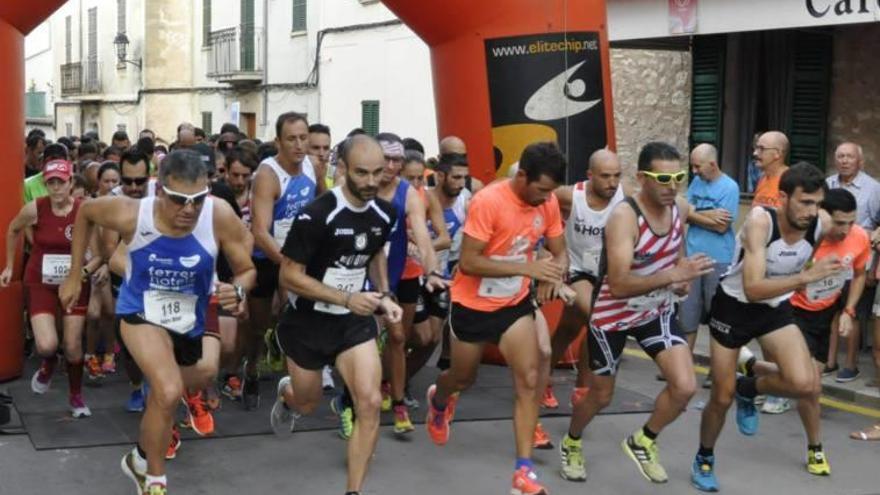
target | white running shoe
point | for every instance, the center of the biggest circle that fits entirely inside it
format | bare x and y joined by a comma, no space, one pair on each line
78,407
281,417
40,387
775,405
327,379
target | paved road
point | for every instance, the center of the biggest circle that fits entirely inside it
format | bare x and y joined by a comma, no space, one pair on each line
478,460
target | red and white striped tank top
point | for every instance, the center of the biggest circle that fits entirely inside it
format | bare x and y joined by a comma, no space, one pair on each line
653,253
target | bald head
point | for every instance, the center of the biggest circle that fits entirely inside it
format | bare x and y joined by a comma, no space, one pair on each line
771,151
705,152
452,144
704,162
364,162
604,174
602,157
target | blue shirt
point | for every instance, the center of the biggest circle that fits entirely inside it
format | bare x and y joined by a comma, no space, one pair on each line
723,193
398,239
296,192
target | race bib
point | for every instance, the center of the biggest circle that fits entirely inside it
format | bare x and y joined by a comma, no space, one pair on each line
344,279
649,301
55,268
280,228
828,286
171,310
590,261
502,287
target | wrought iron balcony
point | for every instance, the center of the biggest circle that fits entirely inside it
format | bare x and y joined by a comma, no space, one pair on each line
235,55
79,78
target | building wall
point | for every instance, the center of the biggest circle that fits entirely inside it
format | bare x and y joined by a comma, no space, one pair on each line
855,93
651,100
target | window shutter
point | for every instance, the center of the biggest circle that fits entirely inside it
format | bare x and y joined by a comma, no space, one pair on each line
120,16
207,124
707,94
299,15
370,116
206,22
35,104
810,96
247,35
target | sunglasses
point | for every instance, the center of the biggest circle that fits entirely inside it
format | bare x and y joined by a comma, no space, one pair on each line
138,181
181,199
667,178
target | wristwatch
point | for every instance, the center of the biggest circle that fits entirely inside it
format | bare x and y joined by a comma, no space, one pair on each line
239,292
85,274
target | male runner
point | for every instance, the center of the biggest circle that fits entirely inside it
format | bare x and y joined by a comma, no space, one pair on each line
334,245
173,241
752,302
643,269
490,295
586,207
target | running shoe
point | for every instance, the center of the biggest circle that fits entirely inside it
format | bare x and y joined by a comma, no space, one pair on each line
645,453
138,477
409,400
345,414
571,454
200,419
386,396
746,416
817,463
548,400
707,382
451,404
745,361
402,423
282,418
250,392
93,369
830,370
212,397
540,440
577,395
327,379
156,489
437,422
136,400
78,407
108,366
275,359
174,446
525,482
703,474
847,375
40,381
775,405
232,388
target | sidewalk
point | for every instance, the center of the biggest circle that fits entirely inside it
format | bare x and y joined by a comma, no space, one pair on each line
856,391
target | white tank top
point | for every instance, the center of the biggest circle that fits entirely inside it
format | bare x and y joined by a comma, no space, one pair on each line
782,259
585,230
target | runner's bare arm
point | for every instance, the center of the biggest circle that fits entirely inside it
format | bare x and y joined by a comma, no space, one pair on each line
564,195
473,262
415,213
265,189
234,241
118,260
97,254
26,217
438,224
293,277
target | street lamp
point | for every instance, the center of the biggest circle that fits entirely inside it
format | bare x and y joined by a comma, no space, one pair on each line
121,43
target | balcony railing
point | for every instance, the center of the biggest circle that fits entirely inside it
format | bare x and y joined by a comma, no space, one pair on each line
81,78
235,55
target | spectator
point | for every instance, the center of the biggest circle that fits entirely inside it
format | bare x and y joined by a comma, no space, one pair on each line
120,141
33,153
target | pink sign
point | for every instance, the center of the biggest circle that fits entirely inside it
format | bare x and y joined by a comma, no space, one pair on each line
682,16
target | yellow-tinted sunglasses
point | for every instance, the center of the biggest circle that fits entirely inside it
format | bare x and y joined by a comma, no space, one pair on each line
667,178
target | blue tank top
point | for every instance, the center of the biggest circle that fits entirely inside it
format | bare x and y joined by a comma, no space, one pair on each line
296,192
398,239
453,227
169,280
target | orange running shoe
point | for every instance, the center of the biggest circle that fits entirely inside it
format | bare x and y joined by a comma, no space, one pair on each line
451,402
577,394
437,422
549,400
541,440
200,419
525,482
232,388
171,453
93,368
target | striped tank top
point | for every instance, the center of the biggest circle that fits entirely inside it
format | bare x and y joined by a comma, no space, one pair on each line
652,254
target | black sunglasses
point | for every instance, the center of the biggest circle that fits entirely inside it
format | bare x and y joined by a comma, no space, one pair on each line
138,181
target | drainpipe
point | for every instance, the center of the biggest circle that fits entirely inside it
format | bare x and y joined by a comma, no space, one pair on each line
265,116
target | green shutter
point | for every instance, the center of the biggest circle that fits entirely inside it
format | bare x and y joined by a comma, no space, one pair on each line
299,15
247,35
707,94
207,124
35,104
206,22
370,116
810,94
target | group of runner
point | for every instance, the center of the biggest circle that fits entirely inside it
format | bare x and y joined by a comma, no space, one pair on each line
332,252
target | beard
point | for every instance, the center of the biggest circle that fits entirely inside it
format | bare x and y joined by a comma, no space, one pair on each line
452,193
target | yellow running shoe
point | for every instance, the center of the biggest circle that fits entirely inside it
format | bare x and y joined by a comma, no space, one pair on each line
817,463
386,396
402,423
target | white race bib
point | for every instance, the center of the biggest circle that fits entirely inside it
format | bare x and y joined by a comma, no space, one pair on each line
828,286
280,228
649,301
55,268
171,310
502,287
344,279
590,261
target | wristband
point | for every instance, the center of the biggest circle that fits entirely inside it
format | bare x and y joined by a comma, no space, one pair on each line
85,274
389,295
437,274
851,312
239,293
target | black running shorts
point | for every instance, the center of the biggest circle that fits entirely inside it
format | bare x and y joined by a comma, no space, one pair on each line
313,340
656,336
734,324
474,326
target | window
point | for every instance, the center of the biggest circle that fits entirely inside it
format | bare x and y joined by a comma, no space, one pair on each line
207,125
811,86
120,16
68,128
92,80
122,127
246,47
299,15
370,116
35,104
206,22
68,39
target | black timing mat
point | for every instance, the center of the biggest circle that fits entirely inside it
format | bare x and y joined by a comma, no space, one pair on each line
49,425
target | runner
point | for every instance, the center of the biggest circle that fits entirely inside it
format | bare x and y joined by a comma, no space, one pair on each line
282,185
335,243
752,302
51,219
172,241
641,277
490,295
585,207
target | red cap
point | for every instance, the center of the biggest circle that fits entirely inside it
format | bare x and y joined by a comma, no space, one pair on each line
57,168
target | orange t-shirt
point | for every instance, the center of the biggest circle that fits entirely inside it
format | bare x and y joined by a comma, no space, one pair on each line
854,251
767,192
412,268
511,229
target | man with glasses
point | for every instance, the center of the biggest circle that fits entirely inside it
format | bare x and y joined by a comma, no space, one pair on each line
641,278
173,241
770,153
